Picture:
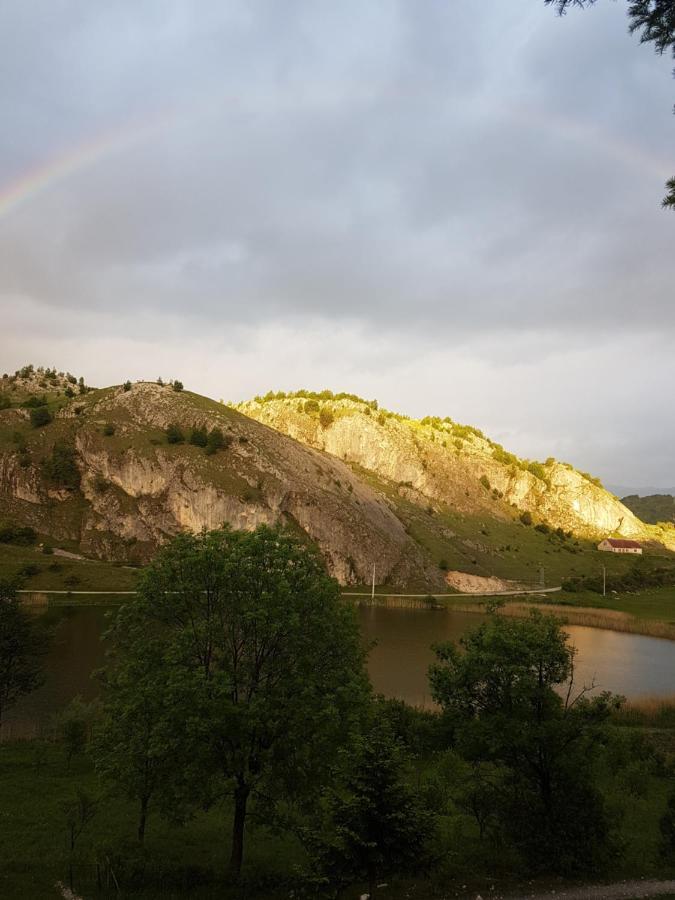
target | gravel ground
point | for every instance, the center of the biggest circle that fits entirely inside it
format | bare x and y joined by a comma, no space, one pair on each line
623,890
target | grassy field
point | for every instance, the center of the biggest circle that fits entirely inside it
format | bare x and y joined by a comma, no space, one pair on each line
40,571
37,789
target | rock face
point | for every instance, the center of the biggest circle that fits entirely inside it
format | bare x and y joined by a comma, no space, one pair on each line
366,487
136,490
452,464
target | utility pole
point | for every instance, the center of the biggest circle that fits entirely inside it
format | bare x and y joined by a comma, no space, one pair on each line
372,593
604,581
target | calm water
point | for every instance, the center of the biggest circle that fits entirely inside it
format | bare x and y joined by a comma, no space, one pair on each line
627,664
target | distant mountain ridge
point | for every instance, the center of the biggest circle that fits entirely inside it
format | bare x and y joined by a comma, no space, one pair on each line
652,508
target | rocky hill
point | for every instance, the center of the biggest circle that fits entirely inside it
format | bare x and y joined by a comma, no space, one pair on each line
451,464
113,473
103,475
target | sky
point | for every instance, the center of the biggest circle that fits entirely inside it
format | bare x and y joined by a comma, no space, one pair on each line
451,207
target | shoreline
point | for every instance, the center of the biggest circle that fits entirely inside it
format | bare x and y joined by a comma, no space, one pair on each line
589,616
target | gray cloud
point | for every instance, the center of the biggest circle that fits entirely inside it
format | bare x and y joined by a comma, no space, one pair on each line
471,184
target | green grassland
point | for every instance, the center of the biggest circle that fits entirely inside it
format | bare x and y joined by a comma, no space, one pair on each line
36,787
42,572
188,860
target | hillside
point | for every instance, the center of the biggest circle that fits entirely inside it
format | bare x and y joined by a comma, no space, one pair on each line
452,464
112,473
653,508
101,477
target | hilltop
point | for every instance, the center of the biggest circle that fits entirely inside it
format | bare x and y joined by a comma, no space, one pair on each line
112,473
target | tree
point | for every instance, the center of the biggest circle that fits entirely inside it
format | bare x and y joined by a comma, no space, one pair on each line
61,468
22,646
375,826
511,699
326,417
126,386
250,627
141,741
178,385
198,436
174,435
40,416
73,728
216,441
655,21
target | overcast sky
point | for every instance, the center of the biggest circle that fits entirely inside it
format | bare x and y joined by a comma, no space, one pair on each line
452,207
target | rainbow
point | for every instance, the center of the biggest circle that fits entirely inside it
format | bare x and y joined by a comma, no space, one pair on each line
45,175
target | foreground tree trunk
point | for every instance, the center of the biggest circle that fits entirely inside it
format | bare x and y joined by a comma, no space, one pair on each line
241,793
142,819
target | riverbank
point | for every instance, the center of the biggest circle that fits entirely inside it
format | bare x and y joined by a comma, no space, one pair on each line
650,612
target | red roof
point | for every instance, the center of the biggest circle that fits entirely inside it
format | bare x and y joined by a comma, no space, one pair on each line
615,542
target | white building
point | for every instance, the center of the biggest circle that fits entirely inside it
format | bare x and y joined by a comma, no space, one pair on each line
614,545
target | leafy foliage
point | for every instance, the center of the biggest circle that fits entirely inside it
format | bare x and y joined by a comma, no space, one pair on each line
40,416
61,467
373,826
510,697
250,642
21,647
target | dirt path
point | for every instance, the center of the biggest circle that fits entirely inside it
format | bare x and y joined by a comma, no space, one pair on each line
623,890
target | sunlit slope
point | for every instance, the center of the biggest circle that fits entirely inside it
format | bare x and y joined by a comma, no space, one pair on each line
453,464
132,489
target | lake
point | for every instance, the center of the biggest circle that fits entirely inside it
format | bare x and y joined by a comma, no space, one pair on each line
627,664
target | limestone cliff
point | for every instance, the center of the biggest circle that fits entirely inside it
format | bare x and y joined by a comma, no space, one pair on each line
135,490
453,464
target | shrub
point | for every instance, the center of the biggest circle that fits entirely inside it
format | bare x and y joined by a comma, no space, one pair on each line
40,416
5,402
311,406
23,535
61,468
326,417
485,481
543,527
216,441
174,435
198,436
108,429
526,518
126,386
69,392
178,385
34,402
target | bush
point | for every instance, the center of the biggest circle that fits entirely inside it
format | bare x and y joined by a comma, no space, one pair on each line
178,385
5,402
61,468
326,417
216,441
311,406
108,429
34,402
198,436
174,435
22,535
40,416
526,518
485,481
126,386
69,392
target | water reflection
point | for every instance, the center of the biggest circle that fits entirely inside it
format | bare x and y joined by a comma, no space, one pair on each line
627,664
